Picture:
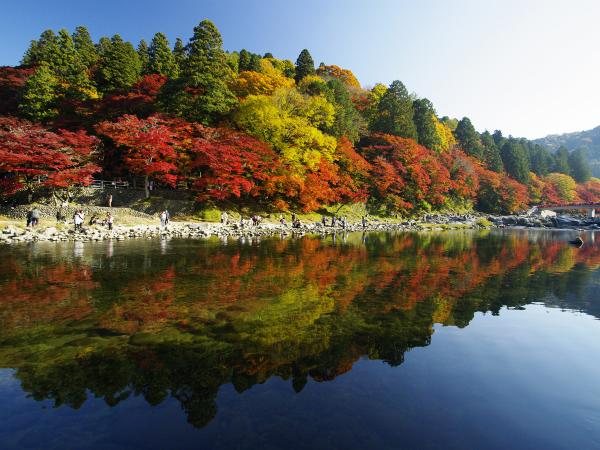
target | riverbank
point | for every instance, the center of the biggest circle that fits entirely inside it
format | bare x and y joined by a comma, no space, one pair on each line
11,232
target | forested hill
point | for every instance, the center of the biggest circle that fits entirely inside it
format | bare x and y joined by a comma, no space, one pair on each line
240,128
588,140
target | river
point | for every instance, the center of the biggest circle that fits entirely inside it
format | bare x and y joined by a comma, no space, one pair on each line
453,340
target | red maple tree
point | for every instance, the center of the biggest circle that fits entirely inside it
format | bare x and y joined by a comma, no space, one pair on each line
147,145
32,156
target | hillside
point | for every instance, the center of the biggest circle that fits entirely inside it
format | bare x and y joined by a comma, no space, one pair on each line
244,130
590,140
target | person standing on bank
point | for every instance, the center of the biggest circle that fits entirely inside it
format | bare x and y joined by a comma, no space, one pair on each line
163,219
109,221
35,216
78,219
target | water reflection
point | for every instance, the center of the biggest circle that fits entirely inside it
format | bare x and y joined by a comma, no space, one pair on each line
182,318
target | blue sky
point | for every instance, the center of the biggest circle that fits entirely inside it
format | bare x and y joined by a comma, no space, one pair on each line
527,67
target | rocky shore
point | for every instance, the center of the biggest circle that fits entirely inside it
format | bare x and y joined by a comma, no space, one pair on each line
559,222
65,232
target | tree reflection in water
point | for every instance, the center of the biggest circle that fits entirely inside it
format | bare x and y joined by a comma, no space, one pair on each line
181,318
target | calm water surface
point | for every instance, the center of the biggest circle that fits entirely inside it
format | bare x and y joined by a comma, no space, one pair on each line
459,340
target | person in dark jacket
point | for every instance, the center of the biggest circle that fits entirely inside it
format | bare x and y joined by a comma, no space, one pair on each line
35,217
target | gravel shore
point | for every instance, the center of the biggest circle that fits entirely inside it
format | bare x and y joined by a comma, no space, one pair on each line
65,232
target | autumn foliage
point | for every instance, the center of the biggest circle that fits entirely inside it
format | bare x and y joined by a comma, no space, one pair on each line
31,156
241,127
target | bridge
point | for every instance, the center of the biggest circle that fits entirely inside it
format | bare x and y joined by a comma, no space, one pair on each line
589,207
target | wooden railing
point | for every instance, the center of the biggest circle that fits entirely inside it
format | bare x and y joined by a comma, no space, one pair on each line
104,184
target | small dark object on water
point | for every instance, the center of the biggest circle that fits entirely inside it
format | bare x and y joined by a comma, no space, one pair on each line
577,241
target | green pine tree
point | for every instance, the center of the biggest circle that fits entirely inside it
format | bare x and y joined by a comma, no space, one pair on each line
515,160
304,65
201,92
541,160
561,161
41,50
144,55
348,122
85,46
120,65
40,96
179,53
162,60
579,165
255,63
498,138
468,138
395,112
69,67
244,60
424,122
491,153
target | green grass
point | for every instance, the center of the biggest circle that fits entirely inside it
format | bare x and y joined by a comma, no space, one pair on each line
483,222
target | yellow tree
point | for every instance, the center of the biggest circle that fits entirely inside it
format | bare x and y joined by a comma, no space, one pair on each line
445,135
344,75
290,122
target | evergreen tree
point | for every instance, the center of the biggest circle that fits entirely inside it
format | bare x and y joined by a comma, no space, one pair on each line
179,53
424,122
541,160
395,112
579,165
468,138
348,122
162,60
103,47
304,65
85,47
41,50
255,63
561,161
498,138
39,100
515,160
120,65
268,55
244,61
233,60
491,153
201,93
31,55
144,55
69,67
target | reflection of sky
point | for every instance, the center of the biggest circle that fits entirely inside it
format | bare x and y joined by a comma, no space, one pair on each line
524,379
6,377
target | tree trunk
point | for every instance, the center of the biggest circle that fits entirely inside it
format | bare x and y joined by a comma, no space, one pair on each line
146,190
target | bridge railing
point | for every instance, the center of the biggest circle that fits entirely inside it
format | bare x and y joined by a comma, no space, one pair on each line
105,184
571,205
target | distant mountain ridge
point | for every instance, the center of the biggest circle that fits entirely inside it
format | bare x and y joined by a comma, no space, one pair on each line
590,140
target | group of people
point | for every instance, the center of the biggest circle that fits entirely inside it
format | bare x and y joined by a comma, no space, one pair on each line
295,221
79,219
341,221
33,217
108,220
165,218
